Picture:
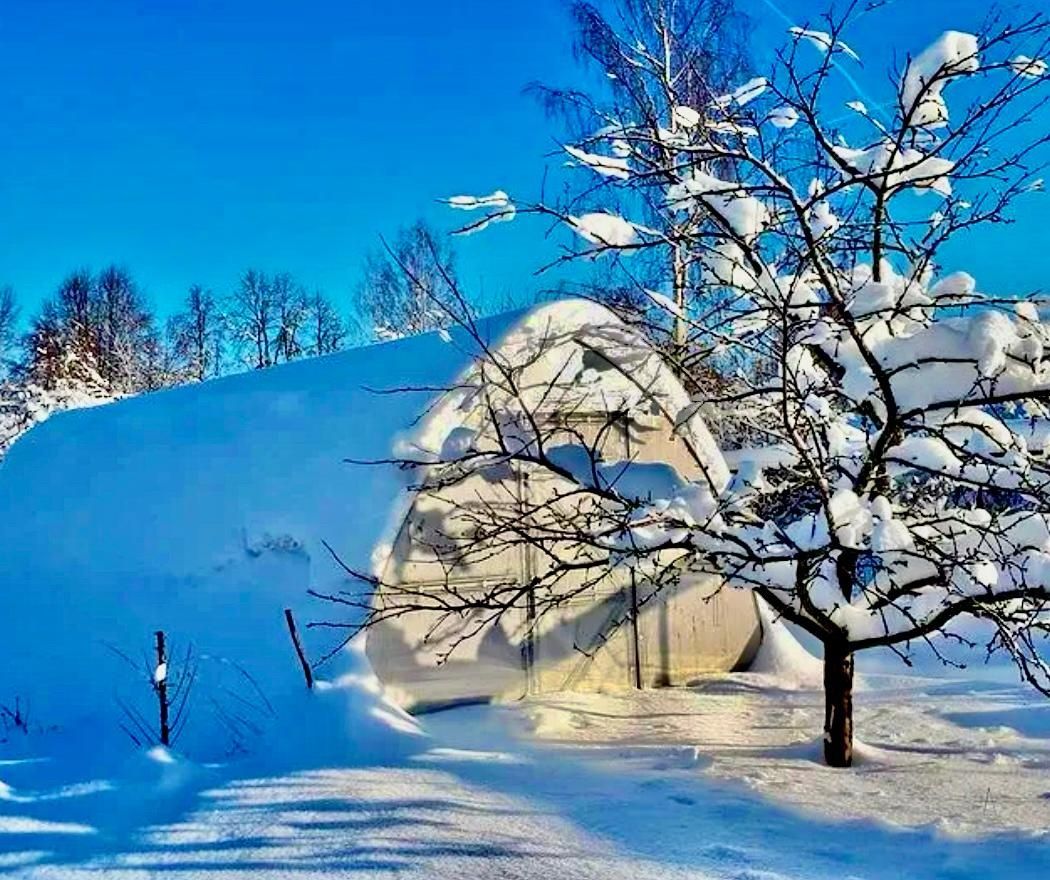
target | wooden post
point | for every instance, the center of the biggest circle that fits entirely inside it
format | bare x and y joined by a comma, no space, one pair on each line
635,637
160,685
294,633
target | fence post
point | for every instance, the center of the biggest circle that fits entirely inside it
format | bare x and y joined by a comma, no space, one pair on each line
160,684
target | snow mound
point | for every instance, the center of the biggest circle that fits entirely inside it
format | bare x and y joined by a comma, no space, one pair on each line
204,512
782,659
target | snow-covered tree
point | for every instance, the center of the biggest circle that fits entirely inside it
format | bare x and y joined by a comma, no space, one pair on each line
647,61
96,332
125,339
899,490
91,342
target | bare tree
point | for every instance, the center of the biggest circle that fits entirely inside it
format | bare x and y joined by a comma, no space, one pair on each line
195,336
324,330
253,319
171,676
396,295
8,328
292,307
901,485
271,319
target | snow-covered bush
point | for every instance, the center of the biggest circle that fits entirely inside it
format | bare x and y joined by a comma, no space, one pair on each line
24,405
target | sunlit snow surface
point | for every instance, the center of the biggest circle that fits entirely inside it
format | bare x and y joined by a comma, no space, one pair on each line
721,780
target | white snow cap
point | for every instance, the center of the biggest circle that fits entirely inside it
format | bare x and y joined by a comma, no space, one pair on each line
745,94
609,166
605,229
822,41
686,117
783,117
497,199
1029,68
953,54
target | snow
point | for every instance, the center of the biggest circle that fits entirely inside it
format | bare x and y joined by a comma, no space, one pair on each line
497,199
22,407
745,214
745,94
206,511
933,753
667,304
718,780
605,229
783,117
609,166
501,209
822,41
781,658
202,511
952,55
1029,68
898,167
686,117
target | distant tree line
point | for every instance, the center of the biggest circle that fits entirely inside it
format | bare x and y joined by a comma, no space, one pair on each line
97,337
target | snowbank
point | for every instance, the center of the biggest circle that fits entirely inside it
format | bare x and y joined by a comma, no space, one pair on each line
203,511
781,657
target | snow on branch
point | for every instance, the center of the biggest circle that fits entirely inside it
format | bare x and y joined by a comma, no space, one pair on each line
892,418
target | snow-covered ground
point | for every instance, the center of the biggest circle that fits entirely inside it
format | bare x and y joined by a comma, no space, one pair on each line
721,780
961,758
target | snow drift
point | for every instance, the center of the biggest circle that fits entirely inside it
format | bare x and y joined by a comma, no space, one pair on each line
202,511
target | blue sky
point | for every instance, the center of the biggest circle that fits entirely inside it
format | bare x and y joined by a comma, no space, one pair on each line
189,140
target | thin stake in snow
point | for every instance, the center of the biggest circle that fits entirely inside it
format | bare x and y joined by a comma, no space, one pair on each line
160,685
294,633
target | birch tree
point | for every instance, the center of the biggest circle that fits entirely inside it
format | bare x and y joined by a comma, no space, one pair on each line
650,60
401,282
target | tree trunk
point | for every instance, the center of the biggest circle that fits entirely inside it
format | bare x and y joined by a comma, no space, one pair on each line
680,334
838,706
